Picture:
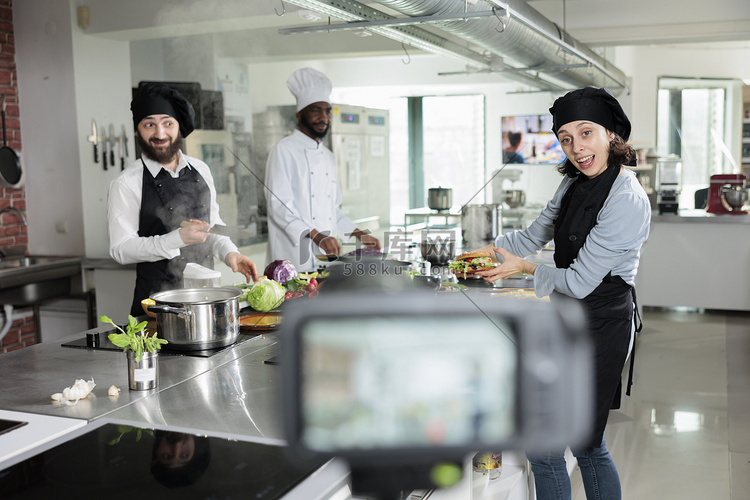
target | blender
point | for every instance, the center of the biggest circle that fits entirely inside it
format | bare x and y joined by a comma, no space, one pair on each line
668,184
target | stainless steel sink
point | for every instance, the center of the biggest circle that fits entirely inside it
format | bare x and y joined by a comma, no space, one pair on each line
25,262
26,280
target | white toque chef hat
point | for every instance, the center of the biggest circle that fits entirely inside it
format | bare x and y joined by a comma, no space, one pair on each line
309,86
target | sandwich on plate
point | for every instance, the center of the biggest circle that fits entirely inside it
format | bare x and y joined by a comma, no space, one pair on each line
469,263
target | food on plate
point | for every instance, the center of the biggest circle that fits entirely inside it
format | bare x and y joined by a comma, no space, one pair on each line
468,263
447,286
260,321
319,275
265,294
304,285
522,293
280,271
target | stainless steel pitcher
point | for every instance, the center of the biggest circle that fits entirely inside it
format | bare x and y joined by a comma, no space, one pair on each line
480,225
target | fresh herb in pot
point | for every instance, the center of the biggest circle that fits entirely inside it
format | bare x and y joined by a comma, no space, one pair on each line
134,338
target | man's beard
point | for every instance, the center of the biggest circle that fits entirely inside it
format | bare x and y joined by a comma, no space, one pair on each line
160,155
313,132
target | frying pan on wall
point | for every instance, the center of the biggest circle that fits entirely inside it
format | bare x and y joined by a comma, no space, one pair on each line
10,164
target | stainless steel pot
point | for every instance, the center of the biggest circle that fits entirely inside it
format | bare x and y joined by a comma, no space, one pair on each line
193,319
440,198
480,225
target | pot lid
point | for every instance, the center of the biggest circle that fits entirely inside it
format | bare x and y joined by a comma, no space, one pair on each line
197,295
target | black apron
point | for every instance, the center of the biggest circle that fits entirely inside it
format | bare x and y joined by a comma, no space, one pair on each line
166,202
609,307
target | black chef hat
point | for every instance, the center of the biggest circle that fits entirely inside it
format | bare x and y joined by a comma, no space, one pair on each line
158,99
593,104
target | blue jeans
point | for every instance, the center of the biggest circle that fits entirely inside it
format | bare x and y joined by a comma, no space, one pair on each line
598,471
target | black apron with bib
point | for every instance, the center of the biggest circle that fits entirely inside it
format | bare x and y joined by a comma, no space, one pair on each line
610,306
166,202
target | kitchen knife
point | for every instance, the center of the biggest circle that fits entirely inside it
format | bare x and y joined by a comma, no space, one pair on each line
124,142
112,142
104,141
221,230
327,258
94,138
121,138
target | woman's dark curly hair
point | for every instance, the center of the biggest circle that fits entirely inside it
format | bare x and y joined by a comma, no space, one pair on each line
620,153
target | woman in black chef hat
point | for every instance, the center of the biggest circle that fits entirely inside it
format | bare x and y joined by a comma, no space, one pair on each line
598,219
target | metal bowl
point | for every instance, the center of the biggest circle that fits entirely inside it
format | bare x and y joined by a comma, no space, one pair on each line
438,252
428,281
514,198
734,196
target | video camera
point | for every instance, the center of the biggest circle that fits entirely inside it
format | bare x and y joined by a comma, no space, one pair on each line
401,381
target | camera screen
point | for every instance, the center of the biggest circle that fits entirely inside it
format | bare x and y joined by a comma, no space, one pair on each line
382,382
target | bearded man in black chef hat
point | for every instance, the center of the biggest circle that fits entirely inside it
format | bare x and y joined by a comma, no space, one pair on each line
153,196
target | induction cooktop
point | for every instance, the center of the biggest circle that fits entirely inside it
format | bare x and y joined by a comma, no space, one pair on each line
100,340
123,462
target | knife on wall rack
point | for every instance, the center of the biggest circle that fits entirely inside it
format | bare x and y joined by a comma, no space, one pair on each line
103,139
94,139
112,142
123,147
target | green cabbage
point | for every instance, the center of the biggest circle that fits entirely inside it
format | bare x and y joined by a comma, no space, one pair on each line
265,295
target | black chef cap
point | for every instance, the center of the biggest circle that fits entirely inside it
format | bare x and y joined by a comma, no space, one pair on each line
593,104
158,99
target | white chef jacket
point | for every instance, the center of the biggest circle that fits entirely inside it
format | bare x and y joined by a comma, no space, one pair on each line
303,193
124,207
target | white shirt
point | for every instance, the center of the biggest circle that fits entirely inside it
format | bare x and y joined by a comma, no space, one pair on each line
123,213
303,193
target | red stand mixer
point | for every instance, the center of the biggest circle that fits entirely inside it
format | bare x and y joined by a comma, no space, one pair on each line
727,194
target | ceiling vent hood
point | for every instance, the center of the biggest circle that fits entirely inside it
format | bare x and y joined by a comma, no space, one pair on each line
509,38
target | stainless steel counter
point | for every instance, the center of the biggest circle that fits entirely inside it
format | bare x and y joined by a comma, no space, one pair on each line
700,217
236,399
232,393
699,262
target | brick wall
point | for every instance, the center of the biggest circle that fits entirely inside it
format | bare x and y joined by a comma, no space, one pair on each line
12,231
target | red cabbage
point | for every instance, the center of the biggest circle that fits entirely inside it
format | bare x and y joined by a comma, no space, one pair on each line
280,271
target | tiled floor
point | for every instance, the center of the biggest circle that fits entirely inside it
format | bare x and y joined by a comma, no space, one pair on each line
684,433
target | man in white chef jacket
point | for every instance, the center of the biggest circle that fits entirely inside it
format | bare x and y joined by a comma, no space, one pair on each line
302,186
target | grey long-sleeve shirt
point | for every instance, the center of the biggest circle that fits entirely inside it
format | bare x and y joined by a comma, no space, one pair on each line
614,244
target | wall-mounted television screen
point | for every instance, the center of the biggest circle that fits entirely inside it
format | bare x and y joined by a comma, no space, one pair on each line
529,139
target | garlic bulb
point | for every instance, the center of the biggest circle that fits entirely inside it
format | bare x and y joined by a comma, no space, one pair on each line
79,390
113,391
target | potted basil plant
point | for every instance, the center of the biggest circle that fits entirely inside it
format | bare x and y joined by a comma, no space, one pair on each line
142,352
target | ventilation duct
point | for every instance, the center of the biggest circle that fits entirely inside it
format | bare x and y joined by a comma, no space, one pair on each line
511,38
527,40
